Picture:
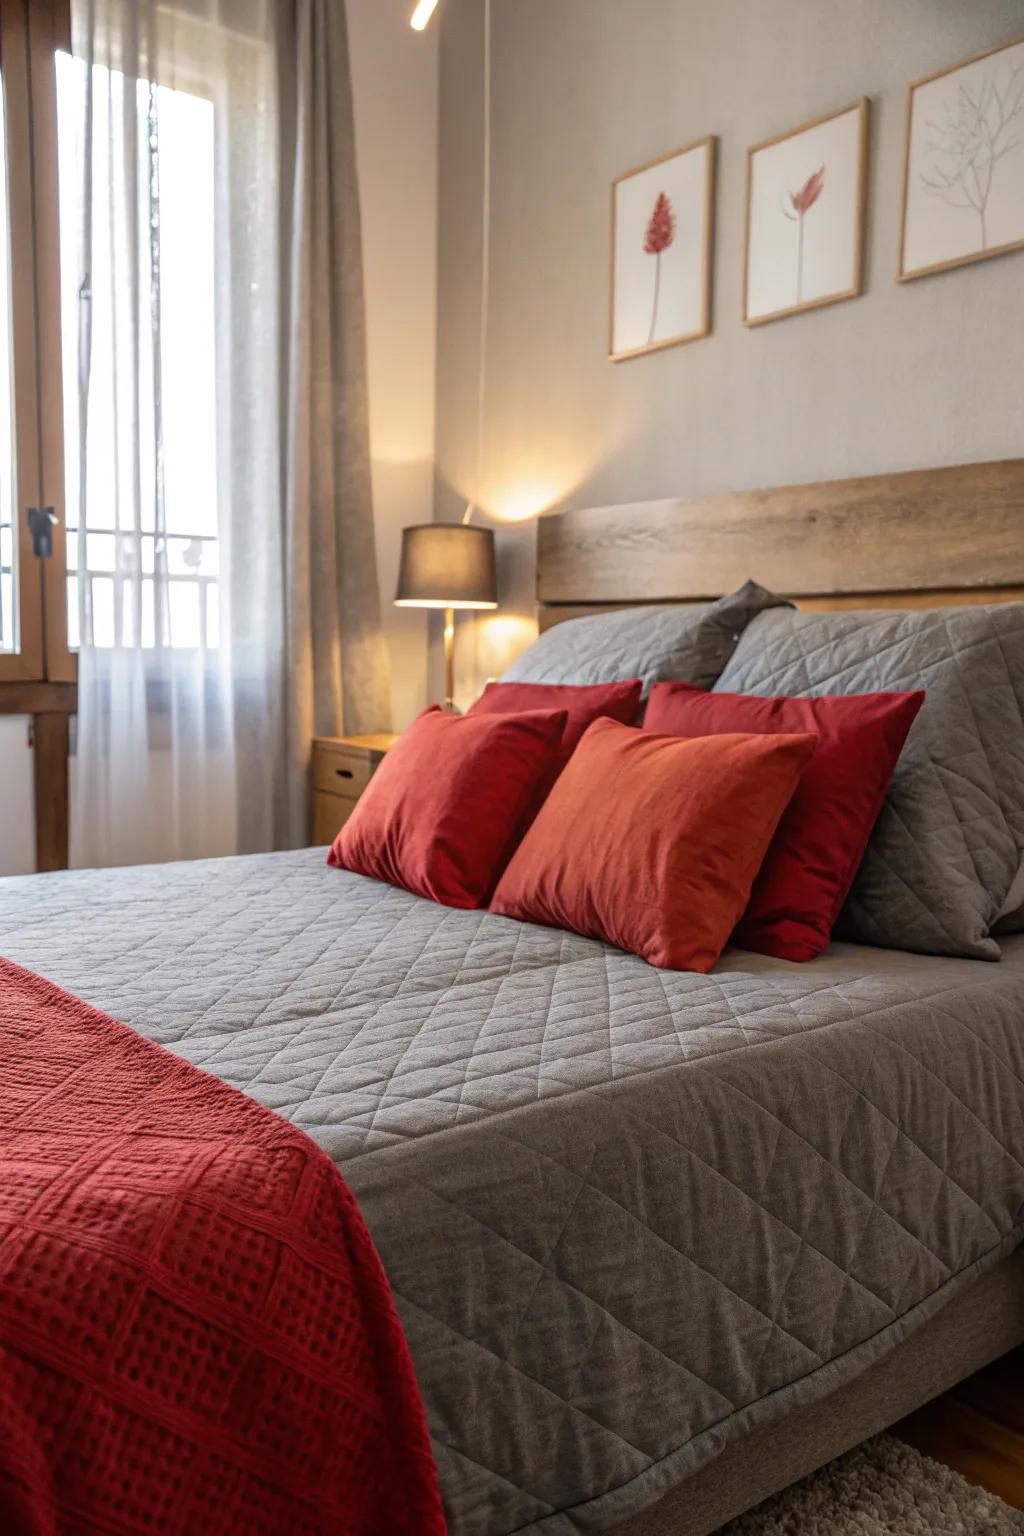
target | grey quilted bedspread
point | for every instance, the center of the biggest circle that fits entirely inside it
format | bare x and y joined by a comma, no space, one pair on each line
627,1214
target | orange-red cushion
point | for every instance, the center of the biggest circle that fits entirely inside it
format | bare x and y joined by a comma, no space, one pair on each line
821,839
448,804
651,842
583,703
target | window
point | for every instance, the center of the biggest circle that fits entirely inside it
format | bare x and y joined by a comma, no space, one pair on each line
150,561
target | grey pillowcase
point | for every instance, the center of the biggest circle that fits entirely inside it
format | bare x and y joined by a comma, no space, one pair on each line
943,867
656,644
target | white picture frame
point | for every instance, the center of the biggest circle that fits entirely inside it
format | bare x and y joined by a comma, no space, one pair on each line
805,213
662,236
963,168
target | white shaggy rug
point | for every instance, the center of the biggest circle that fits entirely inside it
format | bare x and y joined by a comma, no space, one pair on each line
883,1488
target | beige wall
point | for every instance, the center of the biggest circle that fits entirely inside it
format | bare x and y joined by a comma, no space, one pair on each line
922,373
395,89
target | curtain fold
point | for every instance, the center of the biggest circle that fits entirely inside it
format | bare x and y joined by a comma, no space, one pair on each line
218,453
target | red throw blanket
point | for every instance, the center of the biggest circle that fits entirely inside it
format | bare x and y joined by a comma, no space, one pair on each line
196,1334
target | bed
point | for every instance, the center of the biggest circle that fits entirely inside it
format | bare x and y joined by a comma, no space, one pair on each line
640,1225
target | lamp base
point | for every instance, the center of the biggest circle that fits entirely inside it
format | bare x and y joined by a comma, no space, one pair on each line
449,660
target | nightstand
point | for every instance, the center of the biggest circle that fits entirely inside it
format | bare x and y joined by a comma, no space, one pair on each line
342,768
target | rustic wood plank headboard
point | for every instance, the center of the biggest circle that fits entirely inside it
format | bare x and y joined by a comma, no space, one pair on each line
918,538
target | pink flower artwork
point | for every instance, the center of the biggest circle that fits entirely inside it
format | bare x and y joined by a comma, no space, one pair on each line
801,202
661,231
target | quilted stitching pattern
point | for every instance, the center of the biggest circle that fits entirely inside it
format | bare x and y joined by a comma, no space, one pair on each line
196,1333
688,645
950,840
628,1211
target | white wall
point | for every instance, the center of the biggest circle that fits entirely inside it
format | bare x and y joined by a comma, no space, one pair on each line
395,88
17,799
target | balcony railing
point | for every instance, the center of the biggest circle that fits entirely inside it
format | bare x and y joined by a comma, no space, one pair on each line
178,570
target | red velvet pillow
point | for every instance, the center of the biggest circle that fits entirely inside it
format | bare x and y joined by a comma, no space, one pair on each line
821,839
448,804
583,703
652,843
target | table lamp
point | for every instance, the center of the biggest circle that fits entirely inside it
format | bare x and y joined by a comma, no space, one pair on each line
449,566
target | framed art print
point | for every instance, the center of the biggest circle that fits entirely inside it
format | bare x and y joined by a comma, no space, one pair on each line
806,194
963,171
662,217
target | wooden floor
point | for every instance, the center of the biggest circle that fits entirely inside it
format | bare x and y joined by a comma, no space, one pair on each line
978,1428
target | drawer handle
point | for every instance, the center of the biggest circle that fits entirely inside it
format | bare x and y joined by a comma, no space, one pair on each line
344,773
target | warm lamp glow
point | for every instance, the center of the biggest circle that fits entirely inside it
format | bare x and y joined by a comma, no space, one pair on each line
544,469
535,491
512,632
522,503
422,14
500,639
441,602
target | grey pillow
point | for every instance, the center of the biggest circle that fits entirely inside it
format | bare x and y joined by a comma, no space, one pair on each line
673,644
942,870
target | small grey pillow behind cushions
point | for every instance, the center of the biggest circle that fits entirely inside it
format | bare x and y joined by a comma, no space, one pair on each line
671,644
948,847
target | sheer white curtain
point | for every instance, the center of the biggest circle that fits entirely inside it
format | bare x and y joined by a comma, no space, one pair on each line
224,575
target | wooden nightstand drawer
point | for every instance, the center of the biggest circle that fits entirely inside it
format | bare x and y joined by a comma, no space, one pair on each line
342,768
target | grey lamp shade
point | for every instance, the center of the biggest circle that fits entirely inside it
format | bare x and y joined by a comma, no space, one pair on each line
447,565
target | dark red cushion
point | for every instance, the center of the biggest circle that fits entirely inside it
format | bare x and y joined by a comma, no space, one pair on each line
652,843
447,806
582,703
821,839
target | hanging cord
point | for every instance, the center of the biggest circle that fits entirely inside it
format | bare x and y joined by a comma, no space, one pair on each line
485,273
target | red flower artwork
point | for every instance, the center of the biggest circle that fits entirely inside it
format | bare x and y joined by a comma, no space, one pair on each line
801,202
810,191
661,232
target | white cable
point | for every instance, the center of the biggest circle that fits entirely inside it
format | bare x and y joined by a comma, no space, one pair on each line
485,271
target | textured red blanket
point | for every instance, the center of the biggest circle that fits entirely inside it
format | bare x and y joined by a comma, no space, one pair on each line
196,1334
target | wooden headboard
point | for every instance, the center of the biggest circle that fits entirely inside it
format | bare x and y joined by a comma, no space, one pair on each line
915,539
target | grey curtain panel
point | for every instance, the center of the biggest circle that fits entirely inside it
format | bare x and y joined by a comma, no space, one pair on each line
214,277
338,674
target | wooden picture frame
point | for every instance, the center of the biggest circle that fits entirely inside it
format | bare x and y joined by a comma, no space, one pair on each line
692,178
852,210
945,171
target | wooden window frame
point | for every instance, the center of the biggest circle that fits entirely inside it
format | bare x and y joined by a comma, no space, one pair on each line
39,679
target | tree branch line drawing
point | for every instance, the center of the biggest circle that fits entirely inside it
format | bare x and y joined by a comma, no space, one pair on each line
800,204
661,231
967,143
